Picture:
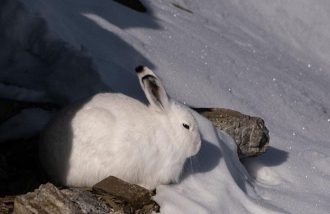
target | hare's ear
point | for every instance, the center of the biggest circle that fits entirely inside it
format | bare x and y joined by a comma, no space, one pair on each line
152,87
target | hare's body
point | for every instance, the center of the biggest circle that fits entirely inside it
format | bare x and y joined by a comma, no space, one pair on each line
113,134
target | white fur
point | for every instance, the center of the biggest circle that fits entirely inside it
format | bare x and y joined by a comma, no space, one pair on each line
113,134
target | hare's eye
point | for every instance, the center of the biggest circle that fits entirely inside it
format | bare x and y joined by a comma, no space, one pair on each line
186,125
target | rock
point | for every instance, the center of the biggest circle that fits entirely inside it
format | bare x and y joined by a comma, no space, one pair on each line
111,195
46,199
49,199
249,133
133,4
19,167
7,204
133,194
181,8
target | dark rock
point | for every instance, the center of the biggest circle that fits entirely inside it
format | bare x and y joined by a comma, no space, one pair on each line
19,167
111,195
49,199
133,194
249,133
133,4
87,201
182,8
46,199
7,204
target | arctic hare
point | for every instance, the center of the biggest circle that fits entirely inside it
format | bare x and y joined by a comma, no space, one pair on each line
113,134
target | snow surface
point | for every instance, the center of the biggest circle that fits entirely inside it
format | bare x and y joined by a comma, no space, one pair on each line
265,58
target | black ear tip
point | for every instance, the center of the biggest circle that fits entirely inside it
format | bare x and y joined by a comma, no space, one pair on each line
139,69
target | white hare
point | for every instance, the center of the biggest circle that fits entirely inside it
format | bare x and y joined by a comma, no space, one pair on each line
113,134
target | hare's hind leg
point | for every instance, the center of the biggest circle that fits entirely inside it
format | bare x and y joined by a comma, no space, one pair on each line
91,130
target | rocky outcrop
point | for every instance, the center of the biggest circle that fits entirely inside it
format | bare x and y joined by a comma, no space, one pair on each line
7,204
249,133
111,195
137,197
49,199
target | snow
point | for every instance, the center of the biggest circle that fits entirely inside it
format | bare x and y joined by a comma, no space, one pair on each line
24,123
264,58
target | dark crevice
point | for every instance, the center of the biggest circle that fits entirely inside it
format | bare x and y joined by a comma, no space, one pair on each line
133,4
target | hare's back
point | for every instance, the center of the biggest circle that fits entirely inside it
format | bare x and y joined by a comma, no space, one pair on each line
118,105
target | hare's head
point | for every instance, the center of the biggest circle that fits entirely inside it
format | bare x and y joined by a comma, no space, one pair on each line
181,122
